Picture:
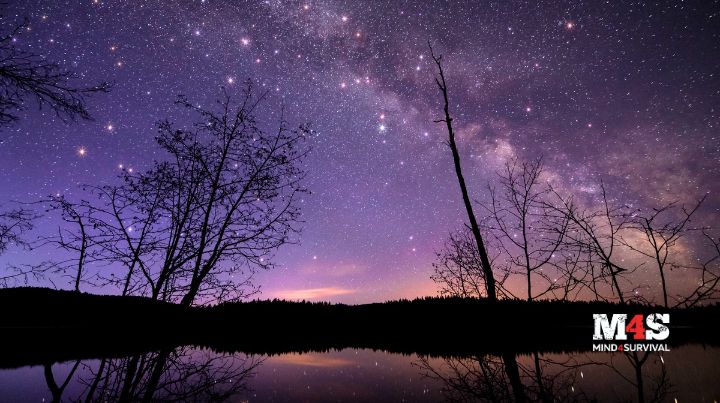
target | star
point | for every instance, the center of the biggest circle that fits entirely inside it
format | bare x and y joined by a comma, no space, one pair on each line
82,151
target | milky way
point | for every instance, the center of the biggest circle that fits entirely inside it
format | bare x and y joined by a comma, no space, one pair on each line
621,91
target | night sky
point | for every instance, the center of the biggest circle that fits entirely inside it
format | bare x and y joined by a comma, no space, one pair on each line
623,91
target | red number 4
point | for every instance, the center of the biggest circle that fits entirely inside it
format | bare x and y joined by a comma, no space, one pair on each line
636,326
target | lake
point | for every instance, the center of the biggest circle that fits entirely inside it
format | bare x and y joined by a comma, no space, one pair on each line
687,373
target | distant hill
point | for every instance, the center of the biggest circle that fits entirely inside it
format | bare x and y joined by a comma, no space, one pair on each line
43,325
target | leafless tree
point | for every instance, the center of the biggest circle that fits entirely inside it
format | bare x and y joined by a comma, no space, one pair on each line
199,222
25,76
662,228
72,236
594,234
13,223
13,226
707,287
458,269
529,232
490,288
225,199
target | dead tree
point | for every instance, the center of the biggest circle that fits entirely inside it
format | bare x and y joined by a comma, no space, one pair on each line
482,251
530,234
662,228
27,77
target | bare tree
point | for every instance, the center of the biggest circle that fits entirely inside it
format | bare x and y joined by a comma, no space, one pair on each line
74,240
458,270
490,288
25,76
225,200
662,228
73,236
707,288
199,222
595,236
529,232
13,223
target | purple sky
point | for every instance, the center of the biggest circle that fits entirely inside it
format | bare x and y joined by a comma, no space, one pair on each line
623,91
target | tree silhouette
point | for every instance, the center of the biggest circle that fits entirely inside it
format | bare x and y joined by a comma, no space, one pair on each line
662,228
13,223
530,233
458,269
223,198
490,288
26,77
707,288
596,235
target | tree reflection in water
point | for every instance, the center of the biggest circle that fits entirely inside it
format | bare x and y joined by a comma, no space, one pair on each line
182,374
545,378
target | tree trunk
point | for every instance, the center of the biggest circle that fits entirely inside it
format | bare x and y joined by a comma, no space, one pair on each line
513,373
484,260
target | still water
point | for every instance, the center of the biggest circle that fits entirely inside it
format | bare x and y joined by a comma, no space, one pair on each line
688,373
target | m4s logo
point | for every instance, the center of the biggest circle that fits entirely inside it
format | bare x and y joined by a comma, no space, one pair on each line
654,327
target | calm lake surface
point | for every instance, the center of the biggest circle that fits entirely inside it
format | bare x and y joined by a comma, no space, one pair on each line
689,373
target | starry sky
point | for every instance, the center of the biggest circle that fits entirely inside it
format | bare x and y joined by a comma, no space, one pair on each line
623,91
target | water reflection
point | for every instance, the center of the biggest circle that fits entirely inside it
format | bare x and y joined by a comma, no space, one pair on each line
182,374
687,373
623,376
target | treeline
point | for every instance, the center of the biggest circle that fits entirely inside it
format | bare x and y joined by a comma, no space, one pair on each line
87,326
